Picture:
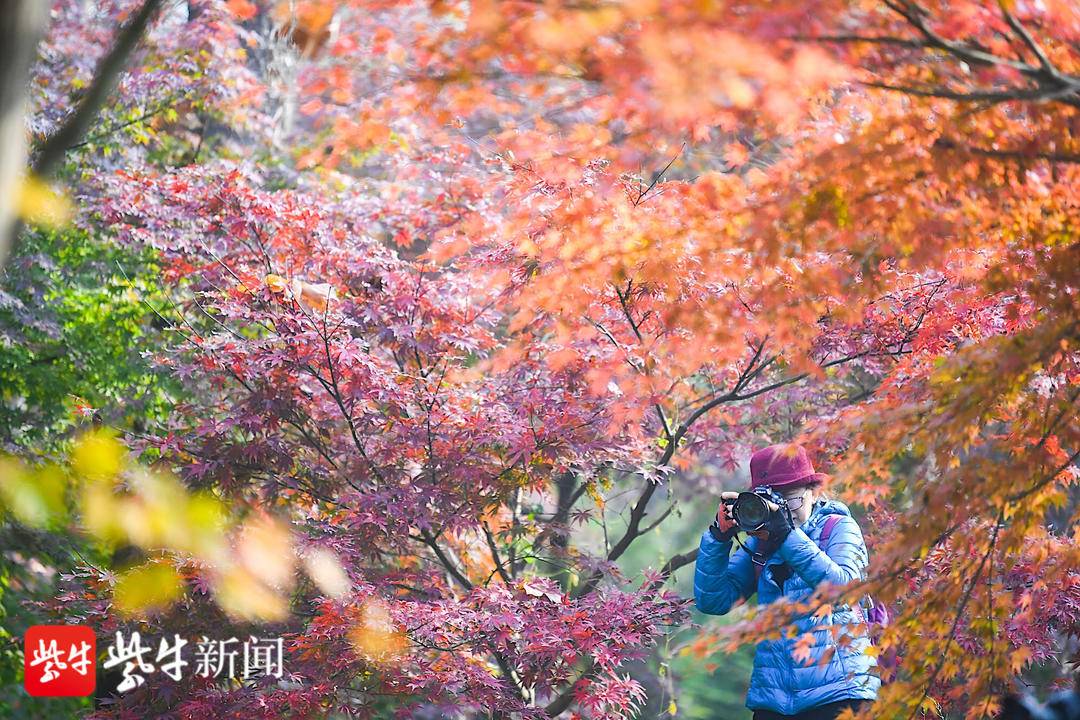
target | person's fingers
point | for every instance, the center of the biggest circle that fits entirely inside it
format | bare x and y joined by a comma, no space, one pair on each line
771,505
723,517
728,495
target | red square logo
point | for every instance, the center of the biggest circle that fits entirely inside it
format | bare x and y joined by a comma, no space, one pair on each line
60,661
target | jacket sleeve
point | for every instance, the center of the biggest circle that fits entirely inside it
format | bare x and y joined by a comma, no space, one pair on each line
845,561
720,577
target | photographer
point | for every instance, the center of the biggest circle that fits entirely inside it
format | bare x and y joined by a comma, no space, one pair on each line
795,546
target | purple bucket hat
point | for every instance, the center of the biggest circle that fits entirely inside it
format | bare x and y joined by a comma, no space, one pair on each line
783,465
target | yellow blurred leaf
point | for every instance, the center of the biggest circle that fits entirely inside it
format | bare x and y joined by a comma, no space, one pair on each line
34,496
147,588
100,513
153,516
317,296
39,204
205,523
740,92
243,596
97,456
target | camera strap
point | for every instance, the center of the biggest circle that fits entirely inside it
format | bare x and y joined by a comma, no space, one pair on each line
822,543
758,564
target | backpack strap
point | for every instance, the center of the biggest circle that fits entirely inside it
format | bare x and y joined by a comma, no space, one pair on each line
823,542
826,531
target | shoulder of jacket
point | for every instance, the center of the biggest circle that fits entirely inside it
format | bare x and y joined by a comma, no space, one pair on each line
846,525
833,524
849,521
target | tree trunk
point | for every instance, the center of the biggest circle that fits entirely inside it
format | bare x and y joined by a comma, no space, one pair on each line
21,24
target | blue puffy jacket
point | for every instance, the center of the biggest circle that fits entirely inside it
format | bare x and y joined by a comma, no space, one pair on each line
780,683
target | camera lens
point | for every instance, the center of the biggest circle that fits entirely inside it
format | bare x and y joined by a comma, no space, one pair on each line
750,511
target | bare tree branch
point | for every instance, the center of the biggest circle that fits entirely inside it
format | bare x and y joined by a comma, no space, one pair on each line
947,144
495,553
559,704
873,39
676,562
1028,40
428,539
995,96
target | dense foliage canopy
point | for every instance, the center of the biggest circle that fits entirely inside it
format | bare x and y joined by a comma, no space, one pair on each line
419,316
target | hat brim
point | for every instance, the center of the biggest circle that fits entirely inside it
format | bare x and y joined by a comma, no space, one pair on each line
812,479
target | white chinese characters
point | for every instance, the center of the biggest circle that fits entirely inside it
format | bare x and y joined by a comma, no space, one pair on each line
53,659
131,655
253,657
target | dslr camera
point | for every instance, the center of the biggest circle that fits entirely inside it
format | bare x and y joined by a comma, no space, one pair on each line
750,510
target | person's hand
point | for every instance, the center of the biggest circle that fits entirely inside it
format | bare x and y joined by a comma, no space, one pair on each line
723,527
724,519
780,525
779,522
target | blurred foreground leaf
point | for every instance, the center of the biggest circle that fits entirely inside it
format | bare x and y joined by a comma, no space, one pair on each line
147,588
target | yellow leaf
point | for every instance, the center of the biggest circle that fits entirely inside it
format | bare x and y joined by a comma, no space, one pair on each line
147,588
672,708
1019,658
154,515
39,204
245,597
276,283
205,524
317,296
100,513
97,456
36,498
928,705
375,636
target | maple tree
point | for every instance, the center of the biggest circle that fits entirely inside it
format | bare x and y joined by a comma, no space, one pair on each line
444,280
